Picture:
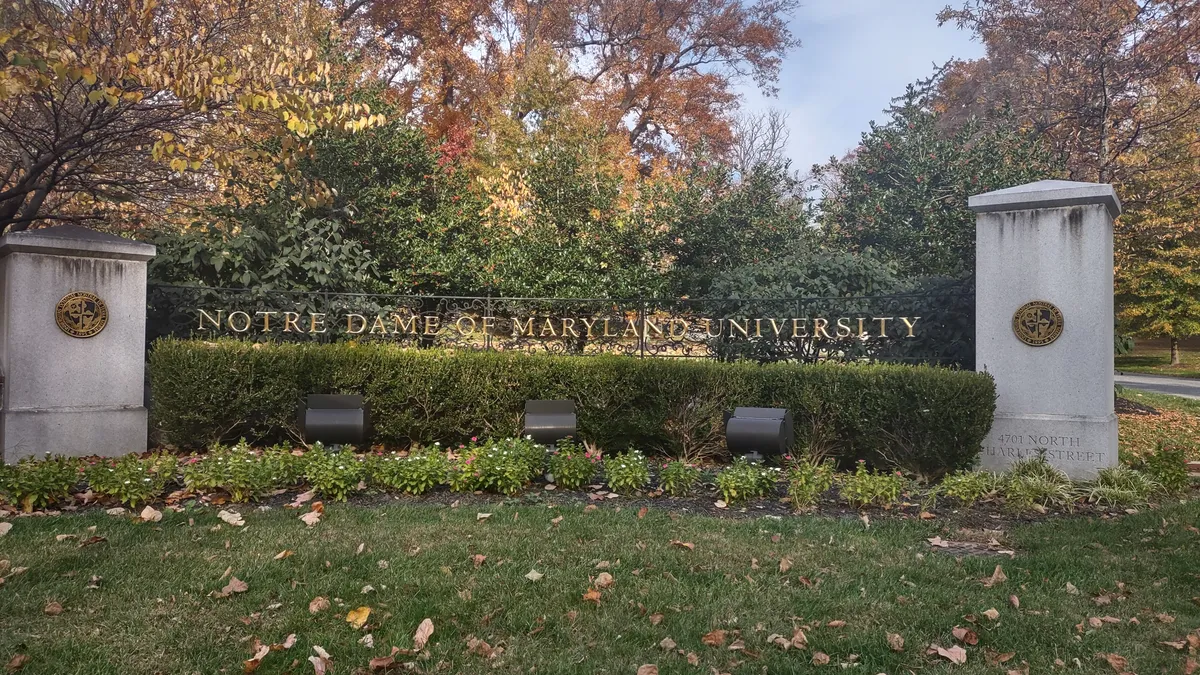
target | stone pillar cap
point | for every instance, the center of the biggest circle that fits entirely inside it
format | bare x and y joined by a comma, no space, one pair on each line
72,240
1047,194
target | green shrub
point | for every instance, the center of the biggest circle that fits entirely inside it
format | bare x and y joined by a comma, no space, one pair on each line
1035,483
678,478
571,465
334,474
244,473
504,466
417,472
925,421
627,472
742,481
1121,486
807,480
131,479
1167,466
865,487
34,484
969,487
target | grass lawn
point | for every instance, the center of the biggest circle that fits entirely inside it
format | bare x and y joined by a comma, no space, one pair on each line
1178,424
152,611
1155,359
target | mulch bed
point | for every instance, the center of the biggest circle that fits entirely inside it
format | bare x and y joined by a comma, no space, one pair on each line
1126,407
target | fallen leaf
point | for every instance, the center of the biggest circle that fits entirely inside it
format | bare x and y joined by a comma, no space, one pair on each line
779,641
18,661
534,575
895,642
995,658
422,635
318,604
683,544
52,609
358,617
592,595
720,504
556,520
692,659
992,614
647,669
1164,618
656,619
642,514
799,639
1014,601
1071,590
714,639
384,662
820,659
150,514
1116,661
367,589
311,518
589,507
737,645
604,580
115,511
283,554
1175,645
477,559
836,623
667,644
965,635
254,662
955,654
367,641
302,498
57,537
321,662
482,516
235,585
232,517
998,577
785,564
92,541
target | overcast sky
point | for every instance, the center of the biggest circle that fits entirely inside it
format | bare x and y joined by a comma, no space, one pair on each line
856,56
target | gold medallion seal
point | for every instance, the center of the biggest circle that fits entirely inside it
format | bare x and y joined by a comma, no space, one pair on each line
1038,323
81,314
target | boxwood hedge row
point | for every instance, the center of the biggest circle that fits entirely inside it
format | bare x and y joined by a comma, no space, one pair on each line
922,420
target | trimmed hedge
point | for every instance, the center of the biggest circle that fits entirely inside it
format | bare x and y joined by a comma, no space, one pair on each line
927,421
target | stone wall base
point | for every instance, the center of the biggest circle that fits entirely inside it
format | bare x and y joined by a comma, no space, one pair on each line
103,431
1080,446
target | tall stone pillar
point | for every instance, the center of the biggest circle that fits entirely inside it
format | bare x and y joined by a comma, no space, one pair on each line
72,343
1044,322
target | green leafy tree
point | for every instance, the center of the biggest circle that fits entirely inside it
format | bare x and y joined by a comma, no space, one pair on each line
904,191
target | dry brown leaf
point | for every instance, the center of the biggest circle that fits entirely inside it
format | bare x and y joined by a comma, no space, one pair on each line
589,507
647,669
1178,646
254,662
655,619
998,577
604,580
836,623
478,559
358,617
322,662
284,554
383,662
692,659
592,595
52,609
555,521
235,585
955,654
1116,661
938,542
1014,601
17,662
310,519
318,604
232,517
534,575
715,638
1164,618
302,498
965,635
785,564
992,614
642,512
820,659
737,645
995,658
667,644
799,639
779,641
422,635
683,544
150,514
895,642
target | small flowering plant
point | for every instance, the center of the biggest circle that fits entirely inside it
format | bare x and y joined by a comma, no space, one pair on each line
572,466
334,474
627,472
244,473
505,466
132,480
678,478
865,487
33,484
742,481
807,479
416,472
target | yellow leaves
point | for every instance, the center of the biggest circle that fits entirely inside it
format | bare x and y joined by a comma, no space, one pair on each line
357,618
133,58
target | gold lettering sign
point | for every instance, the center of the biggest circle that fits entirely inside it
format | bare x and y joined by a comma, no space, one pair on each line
81,314
1037,323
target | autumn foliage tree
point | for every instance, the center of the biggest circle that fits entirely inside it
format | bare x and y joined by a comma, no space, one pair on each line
660,71
119,111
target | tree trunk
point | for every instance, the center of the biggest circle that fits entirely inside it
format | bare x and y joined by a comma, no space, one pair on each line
1175,352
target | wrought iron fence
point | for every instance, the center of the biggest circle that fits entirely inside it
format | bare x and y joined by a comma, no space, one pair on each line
933,325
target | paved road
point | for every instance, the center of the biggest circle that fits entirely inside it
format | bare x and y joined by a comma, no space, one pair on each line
1176,386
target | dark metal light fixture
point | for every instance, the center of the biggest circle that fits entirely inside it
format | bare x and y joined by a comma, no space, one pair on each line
550,421
758,432
334,419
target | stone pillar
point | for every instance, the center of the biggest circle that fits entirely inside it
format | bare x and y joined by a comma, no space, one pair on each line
1044,322
72,343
